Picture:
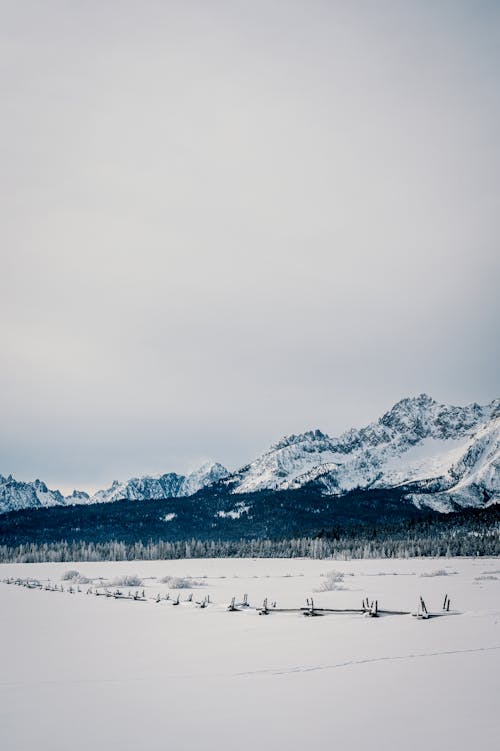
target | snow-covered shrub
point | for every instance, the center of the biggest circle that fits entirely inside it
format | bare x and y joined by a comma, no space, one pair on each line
177,582
333,580
438,572
334,575
127,581
70,575
484,577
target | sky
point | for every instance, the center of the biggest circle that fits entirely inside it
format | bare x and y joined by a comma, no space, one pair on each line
224,222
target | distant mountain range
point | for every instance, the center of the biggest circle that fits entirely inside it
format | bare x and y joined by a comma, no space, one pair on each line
443,455
16,495
436,456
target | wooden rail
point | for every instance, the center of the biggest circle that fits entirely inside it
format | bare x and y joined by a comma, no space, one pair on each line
310,609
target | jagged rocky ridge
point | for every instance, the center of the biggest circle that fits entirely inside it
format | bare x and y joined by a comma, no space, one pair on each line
15,495
442,456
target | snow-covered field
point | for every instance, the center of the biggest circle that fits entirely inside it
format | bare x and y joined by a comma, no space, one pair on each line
85,672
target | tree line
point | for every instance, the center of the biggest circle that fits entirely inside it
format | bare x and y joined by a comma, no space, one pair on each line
466,534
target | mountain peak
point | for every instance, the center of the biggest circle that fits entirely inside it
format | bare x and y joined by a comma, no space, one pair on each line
293,438
422,400
207,473
440,452
417,441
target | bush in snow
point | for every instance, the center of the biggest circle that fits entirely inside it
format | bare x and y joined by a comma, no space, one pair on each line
175,582
333,580
70,575
127,581
485,577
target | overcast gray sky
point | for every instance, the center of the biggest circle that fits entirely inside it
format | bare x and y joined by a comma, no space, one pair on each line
223,222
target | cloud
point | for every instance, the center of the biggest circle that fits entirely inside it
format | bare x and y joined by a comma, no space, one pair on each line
227,223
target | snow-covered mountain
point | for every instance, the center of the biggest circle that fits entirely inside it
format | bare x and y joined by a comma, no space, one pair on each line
443,453
170,485
15,495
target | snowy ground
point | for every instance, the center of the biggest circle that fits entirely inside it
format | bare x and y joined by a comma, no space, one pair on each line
85,672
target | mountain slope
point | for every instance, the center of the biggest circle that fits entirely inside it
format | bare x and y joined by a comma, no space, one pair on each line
439,456
169,485
451,454
16,495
